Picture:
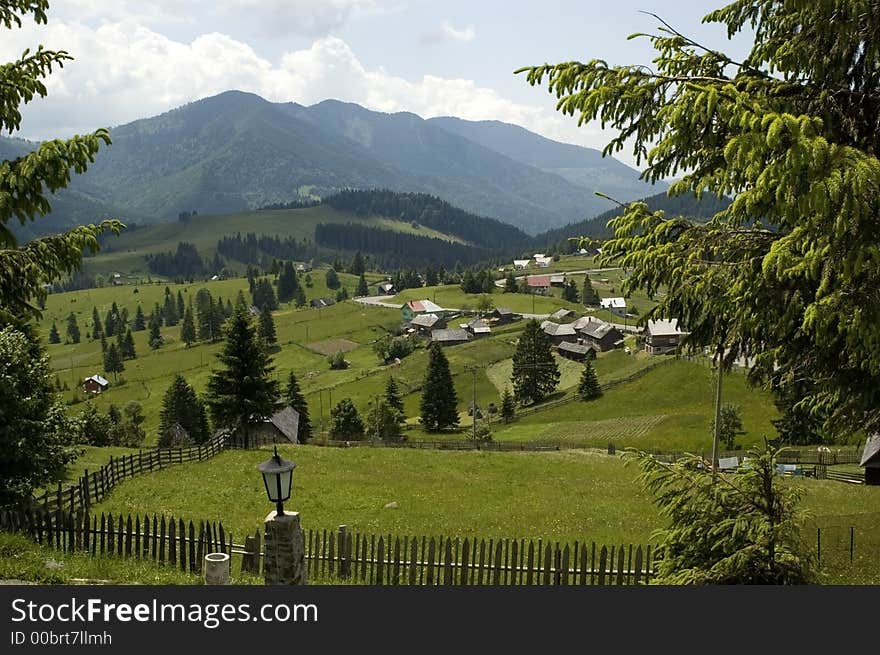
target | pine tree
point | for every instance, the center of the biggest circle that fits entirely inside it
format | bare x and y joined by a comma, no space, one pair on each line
588,387
264,295
267,327
510,284
362,289
287,283
181,308
73,335
181,405
242,391
97,329
128,351
535,371
439,406
103,343
156,340
188,328
508,405
113,360
345,422
169,311
588,293
140,322
569,291
331,279
393,398
358,267
294,397
110,321
54,337
299,297
342,294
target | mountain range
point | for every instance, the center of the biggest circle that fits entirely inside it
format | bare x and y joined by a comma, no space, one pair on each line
236,151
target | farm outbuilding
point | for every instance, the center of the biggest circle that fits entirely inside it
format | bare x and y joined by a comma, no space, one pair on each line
871,460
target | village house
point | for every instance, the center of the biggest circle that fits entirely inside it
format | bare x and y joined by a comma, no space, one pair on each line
450,337
557,280
282,427
579,352
478,327
424,323
304,267
603,336
321,302
503,315
561,314
871,460
413,308
95,384
616,306
385,289
520,264
543,262
662,336
559,332
538,283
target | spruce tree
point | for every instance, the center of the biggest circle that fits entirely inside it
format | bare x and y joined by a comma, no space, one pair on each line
188,328
535,371
589,296
169,311
392,397
267,327
362,289
242,392
110,321
264,295
128,351
342,294
97,329
331,278
588,387
181,308
299,297
508,405
358,266
113,361
103,343
156,341
54,337
569,291
181,405
294,397
73,335
510,284
287,283
439,401
345,422
140,322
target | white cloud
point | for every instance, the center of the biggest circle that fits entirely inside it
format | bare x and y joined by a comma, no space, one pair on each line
124,71
449,33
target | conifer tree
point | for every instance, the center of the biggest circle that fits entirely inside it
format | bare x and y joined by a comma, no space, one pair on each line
535,371
508,405
156,340
73,335
383,421
188,328
439,405
97,329
169,311
589,296
128,351
362,289
267,327
103,343
294,397
54,337
510,284
287,283
181,405
393,398
331,278
113,361
588,387
181,308
358,266
299,297
242,391
140,322
569,291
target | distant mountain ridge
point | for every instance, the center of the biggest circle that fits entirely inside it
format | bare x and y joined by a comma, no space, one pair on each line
236,151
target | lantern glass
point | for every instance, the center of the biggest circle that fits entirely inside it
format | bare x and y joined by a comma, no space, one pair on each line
277,477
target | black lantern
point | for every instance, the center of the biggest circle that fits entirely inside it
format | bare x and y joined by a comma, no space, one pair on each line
278,478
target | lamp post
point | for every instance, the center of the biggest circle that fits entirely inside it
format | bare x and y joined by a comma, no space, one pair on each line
284,561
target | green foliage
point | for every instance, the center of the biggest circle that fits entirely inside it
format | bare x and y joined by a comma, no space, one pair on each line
54,337
73,335
156,340
331,278
439,401
188,328
97,329
337,361
535,372
264,295
342,294
739,528
267,326
362,289
288,283
388,348
589,295
731,426
508,405
588,387
34,430
181,405
570,291
358,266
345,422
242,391
294,397
393,397
140,322
788,271
510,284
128,351
113,361
384,422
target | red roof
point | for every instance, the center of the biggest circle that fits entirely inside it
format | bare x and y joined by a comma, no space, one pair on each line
539,280
416,305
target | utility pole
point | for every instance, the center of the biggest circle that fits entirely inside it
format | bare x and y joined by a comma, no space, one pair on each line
717,431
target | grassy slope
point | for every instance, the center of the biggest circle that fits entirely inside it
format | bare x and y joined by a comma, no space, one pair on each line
126,252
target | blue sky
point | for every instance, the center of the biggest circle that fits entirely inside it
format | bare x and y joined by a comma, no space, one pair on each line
139,58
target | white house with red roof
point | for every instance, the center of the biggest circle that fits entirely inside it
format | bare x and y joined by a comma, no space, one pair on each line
413,308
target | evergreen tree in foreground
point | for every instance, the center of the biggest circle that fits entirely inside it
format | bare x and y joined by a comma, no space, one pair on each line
439,406
294,397
181,405
242,392
535,372
588,387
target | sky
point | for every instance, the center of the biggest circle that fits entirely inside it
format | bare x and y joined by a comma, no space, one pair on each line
138,58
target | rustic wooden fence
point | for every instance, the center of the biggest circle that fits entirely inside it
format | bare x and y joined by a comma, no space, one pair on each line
340,555
93,487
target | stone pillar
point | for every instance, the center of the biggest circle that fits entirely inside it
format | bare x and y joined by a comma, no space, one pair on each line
285,553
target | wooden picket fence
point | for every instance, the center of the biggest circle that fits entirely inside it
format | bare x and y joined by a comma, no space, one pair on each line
393,560
93,487
174,542
339,555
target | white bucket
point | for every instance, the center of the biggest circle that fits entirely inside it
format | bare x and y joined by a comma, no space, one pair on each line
217,568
